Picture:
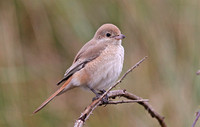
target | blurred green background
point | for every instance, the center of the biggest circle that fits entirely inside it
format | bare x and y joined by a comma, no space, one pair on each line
39,39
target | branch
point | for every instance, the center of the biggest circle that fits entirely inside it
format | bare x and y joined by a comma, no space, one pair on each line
127,101
145,104
112,94
196,119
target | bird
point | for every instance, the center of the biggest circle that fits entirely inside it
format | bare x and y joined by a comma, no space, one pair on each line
96,66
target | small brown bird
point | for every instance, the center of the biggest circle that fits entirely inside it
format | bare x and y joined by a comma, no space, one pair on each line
97,65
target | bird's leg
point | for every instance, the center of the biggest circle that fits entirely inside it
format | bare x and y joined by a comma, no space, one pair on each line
102,91
96,93
104,100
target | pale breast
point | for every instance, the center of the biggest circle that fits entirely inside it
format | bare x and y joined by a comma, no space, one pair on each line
105,69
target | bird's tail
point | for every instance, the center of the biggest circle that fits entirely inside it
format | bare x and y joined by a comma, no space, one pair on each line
53,96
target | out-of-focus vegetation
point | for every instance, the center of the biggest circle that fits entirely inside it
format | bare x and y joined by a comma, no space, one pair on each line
39,39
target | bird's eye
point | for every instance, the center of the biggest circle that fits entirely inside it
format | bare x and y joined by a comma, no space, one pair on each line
108,34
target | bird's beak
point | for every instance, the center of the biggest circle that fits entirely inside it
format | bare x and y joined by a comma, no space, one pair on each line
119,37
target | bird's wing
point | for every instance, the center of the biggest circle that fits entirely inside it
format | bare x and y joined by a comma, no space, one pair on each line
88,52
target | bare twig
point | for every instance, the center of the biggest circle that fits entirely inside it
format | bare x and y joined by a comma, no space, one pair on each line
112,94
146,105
196,119
127,101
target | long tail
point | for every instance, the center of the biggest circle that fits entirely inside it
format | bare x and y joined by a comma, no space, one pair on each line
52,96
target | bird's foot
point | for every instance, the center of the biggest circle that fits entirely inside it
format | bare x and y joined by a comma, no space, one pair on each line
98,95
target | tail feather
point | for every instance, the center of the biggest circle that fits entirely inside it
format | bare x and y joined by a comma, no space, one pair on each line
53,96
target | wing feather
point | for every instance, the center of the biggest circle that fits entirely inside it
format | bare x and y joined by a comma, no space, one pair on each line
88,52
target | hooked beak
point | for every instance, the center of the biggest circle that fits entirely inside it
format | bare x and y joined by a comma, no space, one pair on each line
119,37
